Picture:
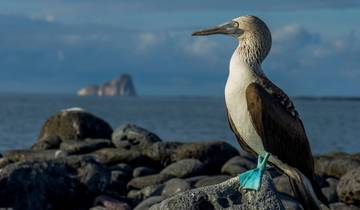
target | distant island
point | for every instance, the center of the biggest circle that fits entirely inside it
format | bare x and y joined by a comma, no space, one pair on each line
121,86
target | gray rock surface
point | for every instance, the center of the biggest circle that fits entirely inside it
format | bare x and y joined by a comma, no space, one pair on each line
146,204
74,124
184,168
60,184
211,180
139,195
335,164
130,136
144,181
342,206
224,196
174,186
348,188
81,147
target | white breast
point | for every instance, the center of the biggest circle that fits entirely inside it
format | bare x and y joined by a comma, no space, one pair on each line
240,76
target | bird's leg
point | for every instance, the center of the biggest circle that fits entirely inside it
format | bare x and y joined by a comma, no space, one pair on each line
251,180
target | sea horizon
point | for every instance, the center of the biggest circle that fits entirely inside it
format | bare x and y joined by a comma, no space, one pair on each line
176,118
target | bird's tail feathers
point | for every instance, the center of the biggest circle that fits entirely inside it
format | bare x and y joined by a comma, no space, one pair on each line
320,195
302,186
308,194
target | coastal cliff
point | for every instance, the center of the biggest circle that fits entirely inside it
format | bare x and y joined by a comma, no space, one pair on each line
121,86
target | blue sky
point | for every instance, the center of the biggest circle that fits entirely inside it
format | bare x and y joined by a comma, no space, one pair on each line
62,45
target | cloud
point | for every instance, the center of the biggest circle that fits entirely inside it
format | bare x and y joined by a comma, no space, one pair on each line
293,37
50,18
308,63
43,17
147,40
302,61
164,5
203,47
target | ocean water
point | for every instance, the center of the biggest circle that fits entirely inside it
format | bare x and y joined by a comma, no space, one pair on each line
331,125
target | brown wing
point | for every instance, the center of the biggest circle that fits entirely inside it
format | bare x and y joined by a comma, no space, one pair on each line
281,131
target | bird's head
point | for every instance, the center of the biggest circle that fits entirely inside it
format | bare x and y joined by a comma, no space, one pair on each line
253,34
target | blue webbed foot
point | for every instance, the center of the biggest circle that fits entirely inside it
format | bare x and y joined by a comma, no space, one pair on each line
251,179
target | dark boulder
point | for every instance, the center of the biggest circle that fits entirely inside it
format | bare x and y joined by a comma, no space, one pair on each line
32,155
290,203
72,124
111,156
111,203
68,183
175,186
143,171
98,208
122,170
86,146
49,142
237,165
161,152
165,153
139,195
133,137
212,154
144,181
282,185
118,182
184,168
117,186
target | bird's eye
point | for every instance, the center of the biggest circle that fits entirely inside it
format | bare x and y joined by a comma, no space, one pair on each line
236,24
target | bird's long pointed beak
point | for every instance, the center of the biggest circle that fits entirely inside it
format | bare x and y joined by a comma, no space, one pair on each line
226,28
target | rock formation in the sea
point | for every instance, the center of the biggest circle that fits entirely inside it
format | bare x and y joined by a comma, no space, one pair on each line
121,86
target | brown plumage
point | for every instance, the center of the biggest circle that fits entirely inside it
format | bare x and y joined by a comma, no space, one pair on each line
282,132
278,124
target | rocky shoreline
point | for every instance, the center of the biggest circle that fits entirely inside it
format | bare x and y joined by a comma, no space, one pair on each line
80,163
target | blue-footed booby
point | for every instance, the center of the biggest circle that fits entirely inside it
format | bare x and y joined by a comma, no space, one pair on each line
260,114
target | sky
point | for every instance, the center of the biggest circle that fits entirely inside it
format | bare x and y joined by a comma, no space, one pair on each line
59,46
